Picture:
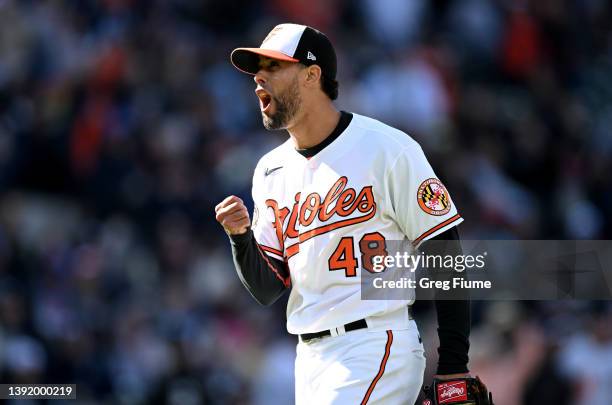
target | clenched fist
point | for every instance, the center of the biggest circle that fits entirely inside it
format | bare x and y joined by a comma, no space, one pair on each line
232,214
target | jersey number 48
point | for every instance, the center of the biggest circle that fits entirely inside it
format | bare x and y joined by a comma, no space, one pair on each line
371,245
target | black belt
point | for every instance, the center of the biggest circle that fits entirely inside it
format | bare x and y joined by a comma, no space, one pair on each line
360,324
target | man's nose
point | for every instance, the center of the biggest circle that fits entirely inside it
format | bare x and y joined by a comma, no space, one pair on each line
259,77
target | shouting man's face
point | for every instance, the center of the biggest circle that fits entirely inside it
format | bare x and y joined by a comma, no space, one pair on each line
278,91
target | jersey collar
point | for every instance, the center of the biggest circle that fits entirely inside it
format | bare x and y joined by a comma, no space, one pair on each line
343,123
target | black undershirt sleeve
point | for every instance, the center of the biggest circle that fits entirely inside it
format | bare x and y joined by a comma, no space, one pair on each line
453,315
264,277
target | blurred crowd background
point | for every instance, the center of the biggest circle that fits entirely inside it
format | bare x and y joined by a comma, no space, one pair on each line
122,125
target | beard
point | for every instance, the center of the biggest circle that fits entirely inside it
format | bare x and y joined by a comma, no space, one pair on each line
287,105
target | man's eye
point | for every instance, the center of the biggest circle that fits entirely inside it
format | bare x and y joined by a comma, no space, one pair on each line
270,65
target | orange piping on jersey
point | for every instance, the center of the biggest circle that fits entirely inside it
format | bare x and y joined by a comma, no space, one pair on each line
292,250
286,281
271,250
295,248
381,369
435,228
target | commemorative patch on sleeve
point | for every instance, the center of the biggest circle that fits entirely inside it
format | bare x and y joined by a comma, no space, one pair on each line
433,197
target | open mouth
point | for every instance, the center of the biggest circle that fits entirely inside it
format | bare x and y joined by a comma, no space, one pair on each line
265,100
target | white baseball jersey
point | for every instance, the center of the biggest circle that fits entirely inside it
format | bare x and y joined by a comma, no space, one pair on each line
324,215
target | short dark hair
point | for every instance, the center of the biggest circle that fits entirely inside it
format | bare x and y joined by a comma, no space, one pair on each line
329,87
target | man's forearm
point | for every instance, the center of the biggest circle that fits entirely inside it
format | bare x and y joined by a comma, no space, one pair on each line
454,332
453,314
264,277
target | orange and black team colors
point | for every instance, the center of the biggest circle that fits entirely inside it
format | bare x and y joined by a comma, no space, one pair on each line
321,215
372,183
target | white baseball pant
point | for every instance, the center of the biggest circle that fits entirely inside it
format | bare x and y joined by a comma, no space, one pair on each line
361,367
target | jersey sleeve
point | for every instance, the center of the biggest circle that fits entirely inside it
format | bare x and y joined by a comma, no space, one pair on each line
422,205
263,223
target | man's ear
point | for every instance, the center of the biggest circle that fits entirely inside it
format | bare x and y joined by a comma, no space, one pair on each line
313,75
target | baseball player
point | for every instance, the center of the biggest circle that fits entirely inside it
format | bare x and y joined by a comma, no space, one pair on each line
326,201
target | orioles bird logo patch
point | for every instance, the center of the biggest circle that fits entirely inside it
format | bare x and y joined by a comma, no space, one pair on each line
433,197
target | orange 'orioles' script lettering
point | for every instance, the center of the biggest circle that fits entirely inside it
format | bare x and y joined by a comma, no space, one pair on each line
339,201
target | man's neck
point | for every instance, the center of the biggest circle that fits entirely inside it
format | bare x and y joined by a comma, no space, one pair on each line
314,126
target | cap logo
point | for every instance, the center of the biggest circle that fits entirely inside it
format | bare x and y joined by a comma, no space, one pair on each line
284,38
311,56
272,33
